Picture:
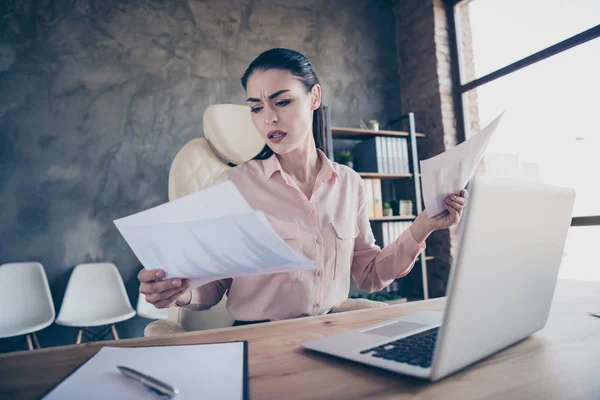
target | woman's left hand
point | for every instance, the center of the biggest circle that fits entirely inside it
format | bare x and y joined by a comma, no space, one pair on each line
451,216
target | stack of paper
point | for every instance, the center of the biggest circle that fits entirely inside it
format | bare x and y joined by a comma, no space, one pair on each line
202,371
450,171
209,235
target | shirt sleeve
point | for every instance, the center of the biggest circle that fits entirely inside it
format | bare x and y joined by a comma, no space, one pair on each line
206,296
374,268
209,295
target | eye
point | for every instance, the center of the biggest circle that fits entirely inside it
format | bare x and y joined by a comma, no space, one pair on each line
282,103
255,110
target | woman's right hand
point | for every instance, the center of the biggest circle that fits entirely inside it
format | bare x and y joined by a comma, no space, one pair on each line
161,293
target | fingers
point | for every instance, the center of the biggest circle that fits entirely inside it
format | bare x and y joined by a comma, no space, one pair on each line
149,275
464,193
162,286
453,207
169,301
453,204
160,298
458,199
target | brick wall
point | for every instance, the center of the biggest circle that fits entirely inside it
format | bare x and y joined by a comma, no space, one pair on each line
463,22
423,57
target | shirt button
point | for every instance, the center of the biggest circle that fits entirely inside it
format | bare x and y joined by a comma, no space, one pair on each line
319,240
317,305
319,273
312,211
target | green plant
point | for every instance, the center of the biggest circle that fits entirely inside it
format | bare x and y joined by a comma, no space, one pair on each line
386,206
373,121
345,156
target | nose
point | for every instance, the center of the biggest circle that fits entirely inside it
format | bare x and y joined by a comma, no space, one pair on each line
270,115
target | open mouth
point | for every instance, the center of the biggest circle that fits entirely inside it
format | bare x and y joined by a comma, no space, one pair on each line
276,136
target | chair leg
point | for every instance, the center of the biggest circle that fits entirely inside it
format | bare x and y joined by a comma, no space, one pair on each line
36,341
29,344
79,334
114,332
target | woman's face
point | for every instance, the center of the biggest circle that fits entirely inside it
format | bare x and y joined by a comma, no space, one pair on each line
281,108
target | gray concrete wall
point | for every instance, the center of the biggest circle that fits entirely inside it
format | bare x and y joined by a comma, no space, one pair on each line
96,98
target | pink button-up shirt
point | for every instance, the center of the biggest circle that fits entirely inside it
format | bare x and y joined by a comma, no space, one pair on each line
332,228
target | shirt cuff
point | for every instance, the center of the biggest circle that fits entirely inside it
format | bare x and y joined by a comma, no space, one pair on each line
190,302
421,245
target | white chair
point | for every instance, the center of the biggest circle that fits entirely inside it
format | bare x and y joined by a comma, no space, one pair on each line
147,310
229,138
95,296
25,301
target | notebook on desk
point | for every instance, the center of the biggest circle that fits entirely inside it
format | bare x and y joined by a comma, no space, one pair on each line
201,371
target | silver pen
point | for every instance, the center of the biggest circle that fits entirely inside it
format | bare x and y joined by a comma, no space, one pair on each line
149,382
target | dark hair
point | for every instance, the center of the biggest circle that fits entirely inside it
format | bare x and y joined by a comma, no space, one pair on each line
300,67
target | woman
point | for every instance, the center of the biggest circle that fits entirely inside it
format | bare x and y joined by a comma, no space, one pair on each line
317,206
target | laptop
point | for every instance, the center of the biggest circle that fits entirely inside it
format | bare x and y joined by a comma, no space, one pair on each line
512,238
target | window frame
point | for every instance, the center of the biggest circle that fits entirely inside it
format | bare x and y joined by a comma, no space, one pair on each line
459,88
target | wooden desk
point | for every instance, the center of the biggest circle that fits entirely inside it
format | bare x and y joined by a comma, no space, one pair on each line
561,361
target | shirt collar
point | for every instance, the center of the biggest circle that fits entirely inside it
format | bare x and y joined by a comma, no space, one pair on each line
272,165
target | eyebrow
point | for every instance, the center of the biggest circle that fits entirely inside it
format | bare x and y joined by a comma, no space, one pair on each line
253,99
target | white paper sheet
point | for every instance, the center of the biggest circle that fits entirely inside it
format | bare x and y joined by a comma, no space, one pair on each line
206,371
213,202
450,171
210,235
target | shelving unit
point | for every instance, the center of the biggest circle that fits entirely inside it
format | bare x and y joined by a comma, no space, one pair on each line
365,134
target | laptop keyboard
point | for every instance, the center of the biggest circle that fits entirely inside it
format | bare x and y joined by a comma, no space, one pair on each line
415,350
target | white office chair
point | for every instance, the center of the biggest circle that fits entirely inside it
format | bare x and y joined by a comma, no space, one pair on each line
229,137
147,310
25,301
95,296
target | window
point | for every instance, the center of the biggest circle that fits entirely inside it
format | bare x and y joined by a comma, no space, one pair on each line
504,31
551,128
538,61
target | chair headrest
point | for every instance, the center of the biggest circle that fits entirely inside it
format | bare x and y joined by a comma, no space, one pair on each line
230,131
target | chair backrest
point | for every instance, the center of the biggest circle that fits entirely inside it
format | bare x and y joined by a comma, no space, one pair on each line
95,296
25,301
229,137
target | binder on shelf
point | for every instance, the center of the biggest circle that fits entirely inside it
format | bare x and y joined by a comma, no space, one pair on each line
390,154
402,162
401,167
395,156
377,200
378,155
384,150
371,156
405,207
398,151
368,184
404,150
385,234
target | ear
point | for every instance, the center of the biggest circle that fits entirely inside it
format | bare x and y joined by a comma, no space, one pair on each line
315,94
